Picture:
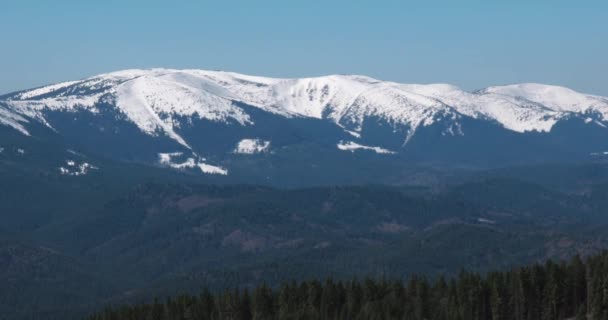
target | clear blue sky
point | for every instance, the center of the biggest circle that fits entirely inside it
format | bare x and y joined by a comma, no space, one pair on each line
472,44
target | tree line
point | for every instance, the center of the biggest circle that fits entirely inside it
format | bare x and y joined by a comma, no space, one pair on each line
574,289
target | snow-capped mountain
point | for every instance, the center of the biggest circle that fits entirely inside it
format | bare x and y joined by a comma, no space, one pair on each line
215,115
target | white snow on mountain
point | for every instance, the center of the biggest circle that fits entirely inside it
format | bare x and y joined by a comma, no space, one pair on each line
155,99
11,119
74,169
252,146
210,169
353,146
27,95
511,112
605,153
554,97
167,159
153,102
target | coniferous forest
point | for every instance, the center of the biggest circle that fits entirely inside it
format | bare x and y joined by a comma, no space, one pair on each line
576,289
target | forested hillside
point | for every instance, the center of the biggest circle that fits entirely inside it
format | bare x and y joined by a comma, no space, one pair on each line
574,289
69,245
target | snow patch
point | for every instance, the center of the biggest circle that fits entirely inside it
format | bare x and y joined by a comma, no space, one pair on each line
605,153
210,169
352,147
354,133
252,146
11,119
74,169
44,90
486,221
167,159
74,152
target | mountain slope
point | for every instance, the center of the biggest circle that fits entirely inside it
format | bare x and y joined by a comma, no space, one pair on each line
204,116
145,95
104,239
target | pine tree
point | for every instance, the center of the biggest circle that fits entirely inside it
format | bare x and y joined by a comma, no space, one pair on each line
244,311
551,291
577,284
263,305
582,313
497,300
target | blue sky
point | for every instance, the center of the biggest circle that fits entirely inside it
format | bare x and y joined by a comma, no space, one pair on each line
472,44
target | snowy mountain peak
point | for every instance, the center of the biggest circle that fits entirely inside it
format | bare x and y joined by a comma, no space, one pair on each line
154,99
554,97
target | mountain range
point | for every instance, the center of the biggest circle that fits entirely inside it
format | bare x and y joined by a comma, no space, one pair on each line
330,129
144,183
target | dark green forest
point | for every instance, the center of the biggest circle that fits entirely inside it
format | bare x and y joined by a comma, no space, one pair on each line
72,245
575,289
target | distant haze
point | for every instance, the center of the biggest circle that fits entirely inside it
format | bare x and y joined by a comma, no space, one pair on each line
471,44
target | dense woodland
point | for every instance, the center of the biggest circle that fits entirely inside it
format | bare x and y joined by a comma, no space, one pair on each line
71,245
577,289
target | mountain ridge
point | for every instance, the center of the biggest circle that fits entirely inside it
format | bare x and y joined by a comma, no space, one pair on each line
334,97
205,116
